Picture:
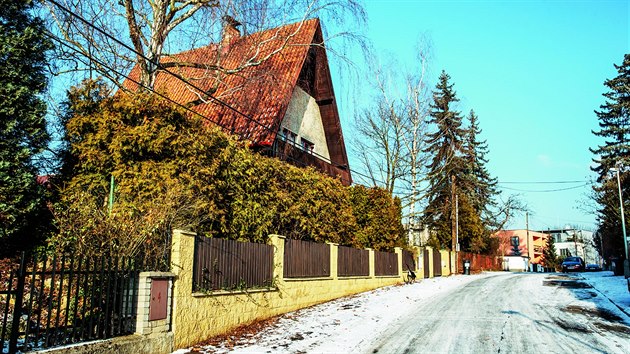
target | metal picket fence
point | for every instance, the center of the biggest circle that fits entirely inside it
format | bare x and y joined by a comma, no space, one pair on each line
67,299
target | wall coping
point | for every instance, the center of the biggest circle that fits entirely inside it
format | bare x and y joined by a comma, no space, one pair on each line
307,279
350,277
228,292
157,274
185,232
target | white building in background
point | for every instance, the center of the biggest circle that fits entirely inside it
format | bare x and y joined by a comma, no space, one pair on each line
418,235
575,242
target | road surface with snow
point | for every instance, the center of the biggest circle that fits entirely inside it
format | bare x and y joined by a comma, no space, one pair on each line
487,313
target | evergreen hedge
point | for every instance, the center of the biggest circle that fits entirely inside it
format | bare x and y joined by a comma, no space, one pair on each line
172,170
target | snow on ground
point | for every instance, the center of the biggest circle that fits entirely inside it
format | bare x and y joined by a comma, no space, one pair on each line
614,288
351,324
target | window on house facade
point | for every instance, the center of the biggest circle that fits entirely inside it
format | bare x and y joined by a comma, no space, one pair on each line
515,241
307,146
287,135
564,252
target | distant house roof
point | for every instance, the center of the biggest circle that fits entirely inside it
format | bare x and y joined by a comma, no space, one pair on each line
257,76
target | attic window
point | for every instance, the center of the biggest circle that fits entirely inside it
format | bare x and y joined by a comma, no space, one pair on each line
288,136
307,146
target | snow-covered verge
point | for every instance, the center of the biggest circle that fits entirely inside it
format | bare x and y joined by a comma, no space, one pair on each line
615,288
341,325
353,324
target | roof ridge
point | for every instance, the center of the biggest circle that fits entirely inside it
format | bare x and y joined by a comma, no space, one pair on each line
214,45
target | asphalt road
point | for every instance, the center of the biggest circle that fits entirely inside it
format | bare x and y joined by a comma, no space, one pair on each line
512,313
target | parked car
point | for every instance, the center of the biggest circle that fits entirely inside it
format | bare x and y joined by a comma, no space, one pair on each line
572,264
593,268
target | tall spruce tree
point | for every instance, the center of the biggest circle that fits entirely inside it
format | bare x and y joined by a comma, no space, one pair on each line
614,124
483,187
445,145
23,134
550,259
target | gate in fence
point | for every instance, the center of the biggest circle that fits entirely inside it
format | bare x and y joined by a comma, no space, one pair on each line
426,264
437,263
51,302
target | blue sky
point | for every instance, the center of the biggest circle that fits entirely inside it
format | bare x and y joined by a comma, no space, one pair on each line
533,71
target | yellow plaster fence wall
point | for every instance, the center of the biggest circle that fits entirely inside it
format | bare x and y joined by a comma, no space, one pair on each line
446,262
197,317
430,256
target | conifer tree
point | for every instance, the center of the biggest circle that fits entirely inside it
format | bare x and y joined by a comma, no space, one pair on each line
614,123
445,145
23,134
480,186
550,259
483,186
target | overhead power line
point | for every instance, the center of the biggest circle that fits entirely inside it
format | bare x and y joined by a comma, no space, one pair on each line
206,93
167,71
60,41
546,190
544,182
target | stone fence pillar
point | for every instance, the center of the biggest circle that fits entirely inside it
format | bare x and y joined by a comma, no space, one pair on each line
334,260
277,241
371,262
155,293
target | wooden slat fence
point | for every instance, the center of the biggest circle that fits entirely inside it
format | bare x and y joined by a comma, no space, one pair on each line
352,262
222,264
479,262
385,263
67,299
437,263
304,259
409,261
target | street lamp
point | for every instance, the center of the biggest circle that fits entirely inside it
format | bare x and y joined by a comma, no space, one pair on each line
626,263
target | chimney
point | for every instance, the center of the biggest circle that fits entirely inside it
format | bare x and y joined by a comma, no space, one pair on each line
230,32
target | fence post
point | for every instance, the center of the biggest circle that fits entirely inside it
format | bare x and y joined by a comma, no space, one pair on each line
371,262
277,241
419,254
399,255
182,262
334,258
17,308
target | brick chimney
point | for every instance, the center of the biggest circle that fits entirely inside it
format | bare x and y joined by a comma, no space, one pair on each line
230,32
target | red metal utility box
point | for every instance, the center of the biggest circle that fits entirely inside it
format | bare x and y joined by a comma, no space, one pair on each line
159,299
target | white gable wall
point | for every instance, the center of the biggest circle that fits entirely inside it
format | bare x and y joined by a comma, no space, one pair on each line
304,119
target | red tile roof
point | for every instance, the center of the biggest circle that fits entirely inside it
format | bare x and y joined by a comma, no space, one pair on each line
268,65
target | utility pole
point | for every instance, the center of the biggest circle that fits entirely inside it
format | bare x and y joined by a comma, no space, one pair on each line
453,217
626,262
527,236
454,222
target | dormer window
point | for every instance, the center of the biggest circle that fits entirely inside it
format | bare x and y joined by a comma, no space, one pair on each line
307,146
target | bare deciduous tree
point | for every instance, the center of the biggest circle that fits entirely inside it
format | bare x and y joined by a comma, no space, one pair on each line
109,37
390,140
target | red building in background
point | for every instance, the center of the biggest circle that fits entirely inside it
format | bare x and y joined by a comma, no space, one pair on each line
523,243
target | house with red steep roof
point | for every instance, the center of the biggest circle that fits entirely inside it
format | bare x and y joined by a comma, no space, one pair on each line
272,88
